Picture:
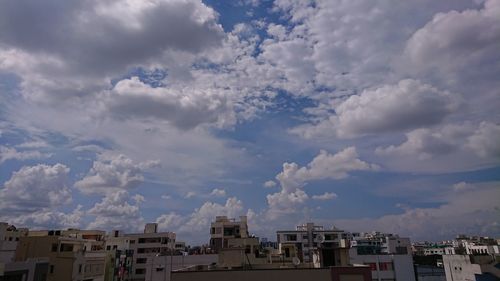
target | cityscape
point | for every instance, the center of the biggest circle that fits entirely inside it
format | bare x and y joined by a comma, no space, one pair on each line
335,140
309,251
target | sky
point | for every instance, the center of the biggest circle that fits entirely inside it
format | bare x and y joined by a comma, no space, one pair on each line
364,115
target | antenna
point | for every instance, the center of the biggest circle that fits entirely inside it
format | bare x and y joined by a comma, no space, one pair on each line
295,261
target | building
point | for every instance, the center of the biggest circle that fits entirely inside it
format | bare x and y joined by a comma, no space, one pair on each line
388,256
135,252
30,270
471,267
312,244
70,257
9,236
290,274
224,229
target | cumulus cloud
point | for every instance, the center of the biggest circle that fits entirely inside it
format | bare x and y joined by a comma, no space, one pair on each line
270,184
117,210
218,192
35,188
449,147
49,219
407,105
324,166
458,49
183,108
9,153
459,214
95,39
200,219
170,221
110,173
325,196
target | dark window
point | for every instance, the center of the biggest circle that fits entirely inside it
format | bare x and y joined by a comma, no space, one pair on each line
140,271
80,268
51,269
132,241
54,247
115,247
291,237
108,247
141,260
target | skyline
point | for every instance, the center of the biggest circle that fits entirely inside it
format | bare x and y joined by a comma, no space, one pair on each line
360,114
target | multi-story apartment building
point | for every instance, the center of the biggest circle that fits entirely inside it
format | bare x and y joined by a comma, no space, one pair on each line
389,256
70,257
315,245
224,229
145,248
9,236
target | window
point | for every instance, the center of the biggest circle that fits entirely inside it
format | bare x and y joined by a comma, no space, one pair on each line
141,260
114,247
51,269
132,241
54,247
140,271
287,252
385,266
290,237
108,247
79,268
373,266
212,230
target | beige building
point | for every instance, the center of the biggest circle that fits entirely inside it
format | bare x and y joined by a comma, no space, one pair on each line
70,257
224,229
9,236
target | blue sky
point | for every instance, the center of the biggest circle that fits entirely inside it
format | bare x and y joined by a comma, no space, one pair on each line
360,114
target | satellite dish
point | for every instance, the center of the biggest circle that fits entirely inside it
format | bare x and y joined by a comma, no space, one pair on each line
321,238
295,261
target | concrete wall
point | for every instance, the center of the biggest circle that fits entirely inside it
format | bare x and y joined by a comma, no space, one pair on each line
252,275
158,268
321,274
459,268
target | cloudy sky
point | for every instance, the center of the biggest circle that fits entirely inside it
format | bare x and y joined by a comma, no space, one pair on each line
367,115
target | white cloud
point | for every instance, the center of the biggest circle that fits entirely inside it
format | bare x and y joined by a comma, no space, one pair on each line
190,194
74,59
115,211
166,197
170,221
324,166
218,192
450,147
458,50
325,196
200,219
485,140
113,172
407,105
183,108
47,218
9,153
270,184
473,211
35,188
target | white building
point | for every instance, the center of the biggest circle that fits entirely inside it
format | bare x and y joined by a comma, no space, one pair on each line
389,256
469,267
314,244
